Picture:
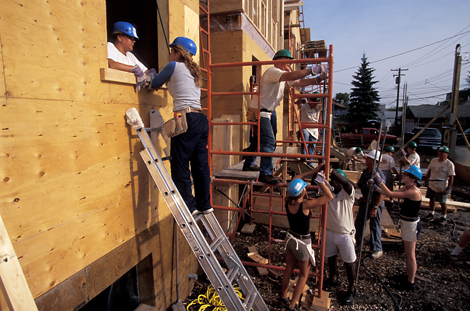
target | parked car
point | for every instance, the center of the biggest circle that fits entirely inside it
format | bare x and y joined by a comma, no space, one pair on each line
460,140
429,138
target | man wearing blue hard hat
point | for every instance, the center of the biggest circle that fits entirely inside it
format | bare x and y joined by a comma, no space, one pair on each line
120,57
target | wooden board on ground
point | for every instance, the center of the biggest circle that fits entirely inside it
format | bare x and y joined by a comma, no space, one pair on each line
318,304
262,204
353,175
248,228
259,259
386,222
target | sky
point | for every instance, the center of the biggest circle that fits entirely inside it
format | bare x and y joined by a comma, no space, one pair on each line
417,35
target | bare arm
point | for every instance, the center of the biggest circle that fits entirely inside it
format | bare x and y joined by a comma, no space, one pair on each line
305,82
401,193
294,75
312,172
451,182
119,66
316,204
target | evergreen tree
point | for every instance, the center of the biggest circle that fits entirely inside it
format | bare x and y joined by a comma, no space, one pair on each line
364,98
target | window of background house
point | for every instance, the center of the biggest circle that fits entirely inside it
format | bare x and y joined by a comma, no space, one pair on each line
144,16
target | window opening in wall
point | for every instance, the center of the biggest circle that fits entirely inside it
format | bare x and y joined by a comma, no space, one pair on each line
144,16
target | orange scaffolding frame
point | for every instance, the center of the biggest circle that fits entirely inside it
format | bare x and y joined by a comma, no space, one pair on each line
325,156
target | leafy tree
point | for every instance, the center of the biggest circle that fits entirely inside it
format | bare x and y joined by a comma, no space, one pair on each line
342,98
364,101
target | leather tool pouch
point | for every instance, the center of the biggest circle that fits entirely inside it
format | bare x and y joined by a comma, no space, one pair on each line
252,114
177,125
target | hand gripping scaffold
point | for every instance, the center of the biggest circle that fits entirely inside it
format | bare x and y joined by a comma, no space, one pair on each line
205,253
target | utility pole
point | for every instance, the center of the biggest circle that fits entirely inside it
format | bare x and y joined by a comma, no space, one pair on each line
450,131
397,81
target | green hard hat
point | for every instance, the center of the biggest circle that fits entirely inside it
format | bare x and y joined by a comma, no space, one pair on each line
316,100
412,144
444,149
358,150
341,172
282,53
390,149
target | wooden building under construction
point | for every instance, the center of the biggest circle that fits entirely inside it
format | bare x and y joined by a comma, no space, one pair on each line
77,201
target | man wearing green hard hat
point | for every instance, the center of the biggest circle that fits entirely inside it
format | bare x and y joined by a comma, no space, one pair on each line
272,87
440,178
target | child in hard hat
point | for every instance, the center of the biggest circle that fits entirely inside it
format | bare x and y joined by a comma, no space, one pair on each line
120,57
298,240
410,157
409,218
440,178
183,78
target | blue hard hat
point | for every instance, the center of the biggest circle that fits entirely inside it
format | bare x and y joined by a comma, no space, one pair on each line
295,187
187,44
415,171
125,28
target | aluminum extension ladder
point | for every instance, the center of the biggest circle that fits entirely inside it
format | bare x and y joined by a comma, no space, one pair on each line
205,253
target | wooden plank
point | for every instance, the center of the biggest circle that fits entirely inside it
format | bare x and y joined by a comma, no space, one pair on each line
114,75
248,228
144,307
262,204
12,279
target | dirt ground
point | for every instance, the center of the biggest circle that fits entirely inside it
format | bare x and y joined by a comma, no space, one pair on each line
442,284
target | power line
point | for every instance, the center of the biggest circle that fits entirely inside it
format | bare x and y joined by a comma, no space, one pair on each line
399,54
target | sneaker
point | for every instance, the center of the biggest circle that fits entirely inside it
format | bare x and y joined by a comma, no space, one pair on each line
448,252
377,255
407,285
253,168
442,221
329,284
284,302
269,179
207,211
349,298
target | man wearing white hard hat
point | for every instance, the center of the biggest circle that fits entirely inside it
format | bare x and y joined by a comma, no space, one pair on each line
373,211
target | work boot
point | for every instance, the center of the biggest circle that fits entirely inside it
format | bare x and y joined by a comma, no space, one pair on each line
206,211
429,217
284,302
329,284
253,168
269,179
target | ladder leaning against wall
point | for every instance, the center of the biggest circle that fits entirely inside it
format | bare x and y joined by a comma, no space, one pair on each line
205,253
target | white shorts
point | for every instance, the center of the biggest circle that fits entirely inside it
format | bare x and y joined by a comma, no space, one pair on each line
341,243
409,230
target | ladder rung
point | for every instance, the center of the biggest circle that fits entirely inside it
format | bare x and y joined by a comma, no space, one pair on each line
232,273
217,243
250,300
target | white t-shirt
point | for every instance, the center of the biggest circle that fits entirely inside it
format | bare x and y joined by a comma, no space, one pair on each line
340,212
128,59
414,159
440,172
351,152
387,163
272,90
309,114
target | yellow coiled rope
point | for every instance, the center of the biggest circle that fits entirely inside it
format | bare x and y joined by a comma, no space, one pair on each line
212,300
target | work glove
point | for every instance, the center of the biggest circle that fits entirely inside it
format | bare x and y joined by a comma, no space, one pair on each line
403,152
370,182
327,184
151,73
377,179
320,179
139,77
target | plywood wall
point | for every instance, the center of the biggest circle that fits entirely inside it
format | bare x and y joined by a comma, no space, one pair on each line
74,187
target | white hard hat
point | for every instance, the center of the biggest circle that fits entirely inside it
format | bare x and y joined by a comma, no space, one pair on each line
374,155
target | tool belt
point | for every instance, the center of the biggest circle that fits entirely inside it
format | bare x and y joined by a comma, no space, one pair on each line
252,113
178,124
300,236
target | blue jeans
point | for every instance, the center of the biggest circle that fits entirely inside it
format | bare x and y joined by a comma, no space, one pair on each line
191,148
375,227
311,147
267,144
253,147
